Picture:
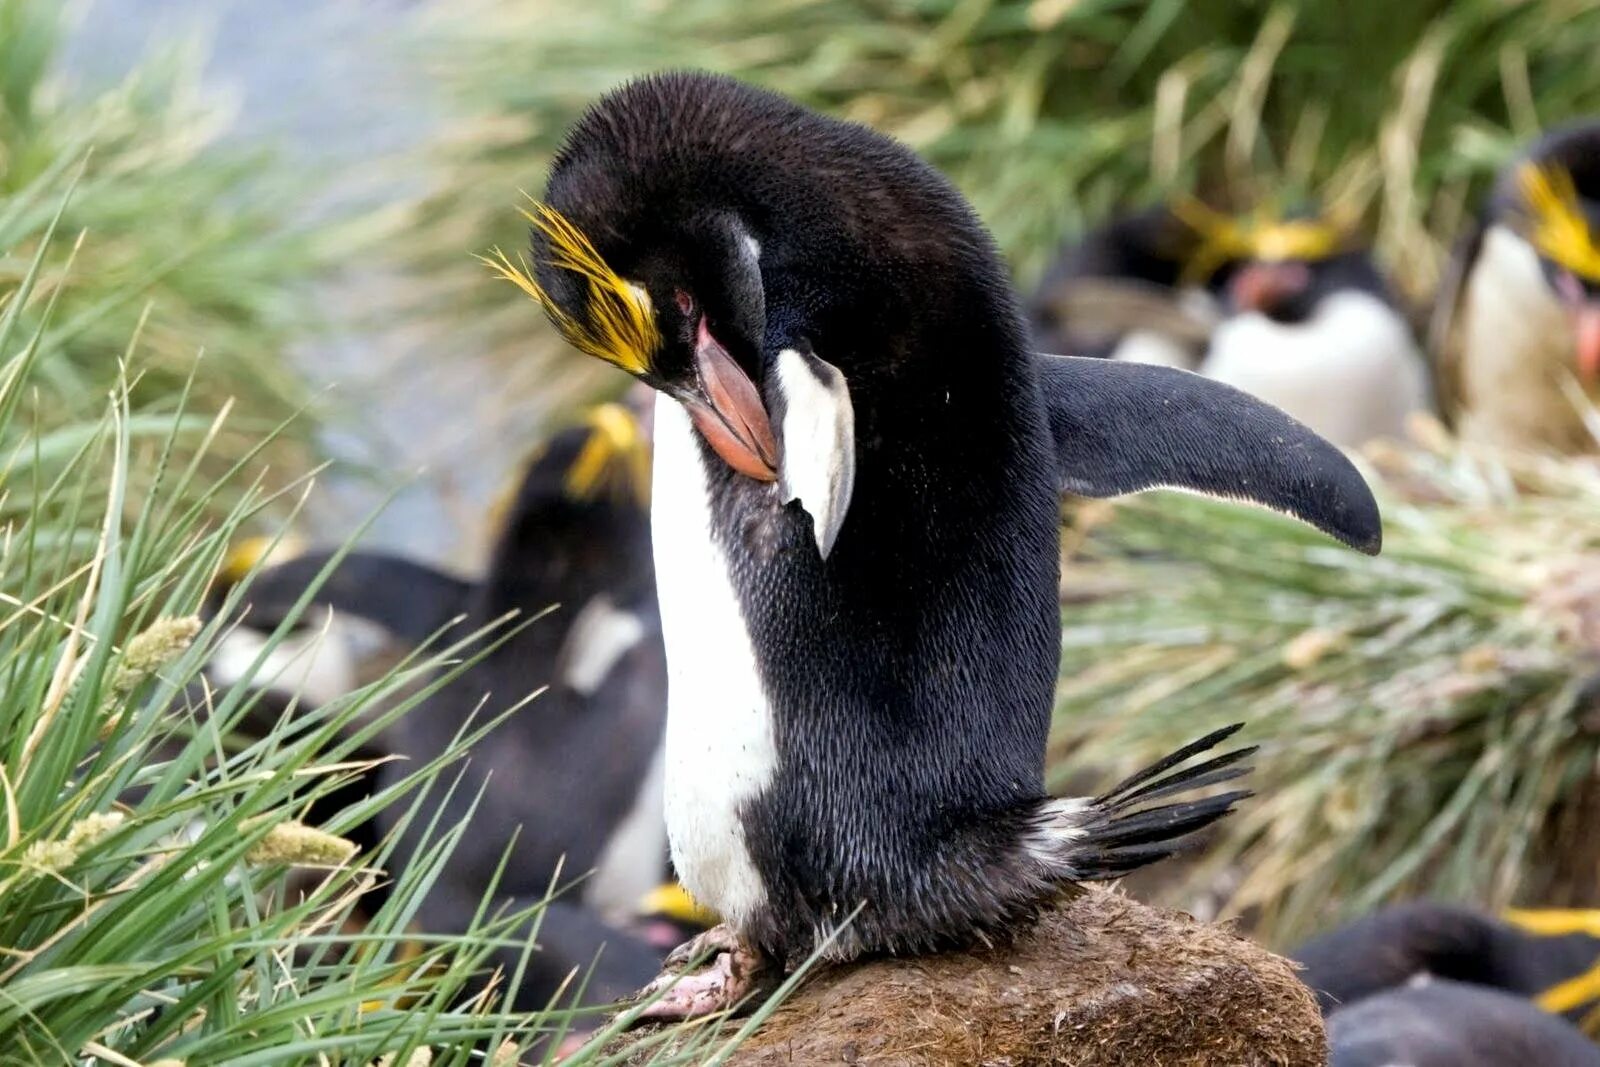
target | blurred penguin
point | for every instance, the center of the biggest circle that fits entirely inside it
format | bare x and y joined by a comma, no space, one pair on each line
1551,957
1438,1023
578,768
1290,308
1117,294
1309,324
1517,327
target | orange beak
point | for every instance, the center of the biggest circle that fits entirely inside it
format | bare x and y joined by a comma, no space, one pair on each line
729,413
1263,286
1586,337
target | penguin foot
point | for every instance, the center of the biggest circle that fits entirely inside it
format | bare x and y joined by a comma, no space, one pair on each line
735,971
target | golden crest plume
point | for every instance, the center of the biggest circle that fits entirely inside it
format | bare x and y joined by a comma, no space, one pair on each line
1264,236
615,458
1555,223
619,326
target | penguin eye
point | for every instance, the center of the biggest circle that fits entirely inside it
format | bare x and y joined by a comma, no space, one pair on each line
685,301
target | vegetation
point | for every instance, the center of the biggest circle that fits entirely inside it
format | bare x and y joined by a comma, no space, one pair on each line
1423,715
185,237
1048,113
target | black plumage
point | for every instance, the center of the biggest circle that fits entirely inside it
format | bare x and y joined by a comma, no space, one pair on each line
569,592
1450,1024
1386,949
904,618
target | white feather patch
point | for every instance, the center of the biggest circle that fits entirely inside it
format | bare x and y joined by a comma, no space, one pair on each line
719,743
1351,371
1156,349
315,664
817,464
1058,832
600,636
1517,351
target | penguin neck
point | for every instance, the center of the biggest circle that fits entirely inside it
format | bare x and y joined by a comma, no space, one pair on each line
564,556
1516,352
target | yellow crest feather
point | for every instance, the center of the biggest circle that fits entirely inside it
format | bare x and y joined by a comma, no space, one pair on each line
620,325
614,459
1266,238
1556,225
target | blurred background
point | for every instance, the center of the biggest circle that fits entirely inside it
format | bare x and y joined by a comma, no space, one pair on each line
296,192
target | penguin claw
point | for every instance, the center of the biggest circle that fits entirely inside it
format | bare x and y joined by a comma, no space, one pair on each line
719,938
733,973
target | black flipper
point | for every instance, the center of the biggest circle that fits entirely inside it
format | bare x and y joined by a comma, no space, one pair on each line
410,600
1125,427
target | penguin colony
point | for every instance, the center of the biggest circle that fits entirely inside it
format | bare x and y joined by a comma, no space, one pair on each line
852,535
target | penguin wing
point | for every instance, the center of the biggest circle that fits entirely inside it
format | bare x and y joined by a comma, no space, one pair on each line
1125,427
410,600
1444,336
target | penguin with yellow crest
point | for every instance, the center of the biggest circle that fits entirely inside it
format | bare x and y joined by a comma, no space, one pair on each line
1289,306
576,771
1517,327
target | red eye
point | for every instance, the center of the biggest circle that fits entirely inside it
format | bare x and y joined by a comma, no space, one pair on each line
685,301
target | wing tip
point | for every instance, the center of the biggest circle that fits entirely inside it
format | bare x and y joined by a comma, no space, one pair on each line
1359,522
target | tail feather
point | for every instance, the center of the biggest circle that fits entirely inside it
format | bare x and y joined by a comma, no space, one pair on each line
1201,779
1091,840
1171,760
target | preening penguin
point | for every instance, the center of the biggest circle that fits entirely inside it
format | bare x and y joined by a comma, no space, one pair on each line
1517,327
855,517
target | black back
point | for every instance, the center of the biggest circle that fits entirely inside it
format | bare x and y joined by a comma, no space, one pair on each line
567,766
1387,948
1145,249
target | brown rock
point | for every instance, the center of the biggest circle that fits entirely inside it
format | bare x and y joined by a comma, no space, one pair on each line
1101,981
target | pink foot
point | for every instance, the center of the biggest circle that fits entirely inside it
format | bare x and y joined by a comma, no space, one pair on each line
733,973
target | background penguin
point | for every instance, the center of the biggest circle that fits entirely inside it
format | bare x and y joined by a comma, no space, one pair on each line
1552,956
1449,1024
1295,312
1311,326
1116,294
1517,327
855,517
578,768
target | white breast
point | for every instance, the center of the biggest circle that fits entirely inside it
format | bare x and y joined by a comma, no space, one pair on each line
719,743
1351,372
597,639
1516,351
1157,349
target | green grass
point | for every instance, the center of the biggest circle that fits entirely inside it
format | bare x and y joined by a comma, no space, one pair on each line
144,907
1420,714
193,240
1048,113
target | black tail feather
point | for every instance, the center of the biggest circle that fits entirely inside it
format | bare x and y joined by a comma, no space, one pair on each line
1119,835
1166,763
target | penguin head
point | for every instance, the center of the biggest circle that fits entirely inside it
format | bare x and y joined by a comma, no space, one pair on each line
1551,199
603,458
576,509
1279,265
757,263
